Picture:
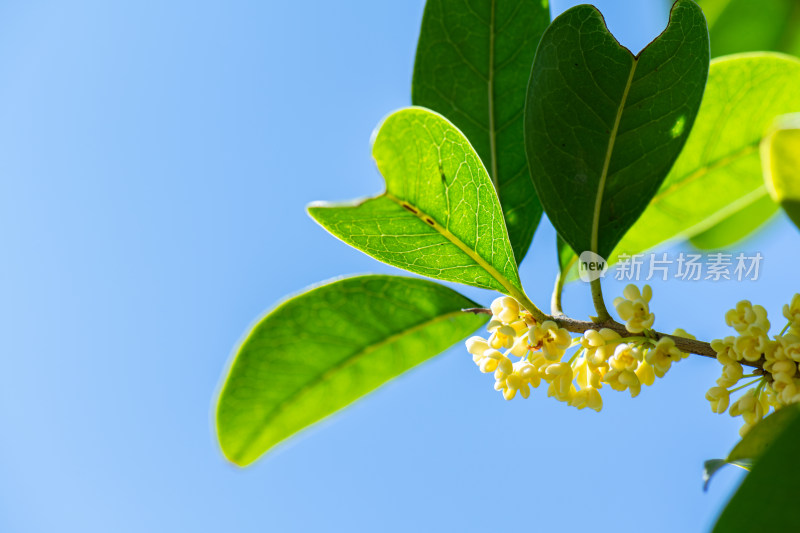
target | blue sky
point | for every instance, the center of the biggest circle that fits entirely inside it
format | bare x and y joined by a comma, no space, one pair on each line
157,158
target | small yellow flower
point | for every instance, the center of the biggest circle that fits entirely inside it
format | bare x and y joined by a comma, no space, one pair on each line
752,344
792,311
720,399
599,345
749,407
523,376
560,394
747,315
506,309
789,346
560,376
476,346
726,353
502,335
493,360
634,308
731,374
662,355
520,346
623,365
587,397
646,374
551,339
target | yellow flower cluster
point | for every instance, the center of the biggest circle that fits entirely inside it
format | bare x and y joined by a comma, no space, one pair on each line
779,383
603,356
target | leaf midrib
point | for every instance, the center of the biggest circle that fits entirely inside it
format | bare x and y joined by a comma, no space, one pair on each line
322,377
425,218
609,151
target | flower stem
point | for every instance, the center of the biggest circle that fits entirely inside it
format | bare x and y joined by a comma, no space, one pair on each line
599,303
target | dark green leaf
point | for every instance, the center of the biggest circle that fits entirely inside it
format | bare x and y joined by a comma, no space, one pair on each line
603,127
767,498
321,350
780,155
719,172
757,441
472,66
439,216
736,227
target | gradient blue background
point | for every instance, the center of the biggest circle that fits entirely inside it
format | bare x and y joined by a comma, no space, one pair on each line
155,161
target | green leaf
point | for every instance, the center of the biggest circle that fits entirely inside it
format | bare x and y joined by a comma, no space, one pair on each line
748,26
321,350
719,172
755,443
780,155
603,127
472,66
736,227
767,498
439,216
712,466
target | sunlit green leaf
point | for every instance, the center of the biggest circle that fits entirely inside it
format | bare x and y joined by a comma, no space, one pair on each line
712,466
719,173
472,66
753,25
767,498
780,155
439,216
736,227
603,127
321,350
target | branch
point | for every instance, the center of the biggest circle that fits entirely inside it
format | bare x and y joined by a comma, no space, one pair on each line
579,326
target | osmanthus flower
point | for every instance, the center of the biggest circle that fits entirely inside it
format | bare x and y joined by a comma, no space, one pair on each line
633,308
753,343
792,313
587,397
726,353
731,374
502,335
782,366
522,378
662,355
520,346
476,346
645,373
788,347
747,315
588,376
751,409
599,345
560,376
623,364
492,360
551,339
720,398
506,309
